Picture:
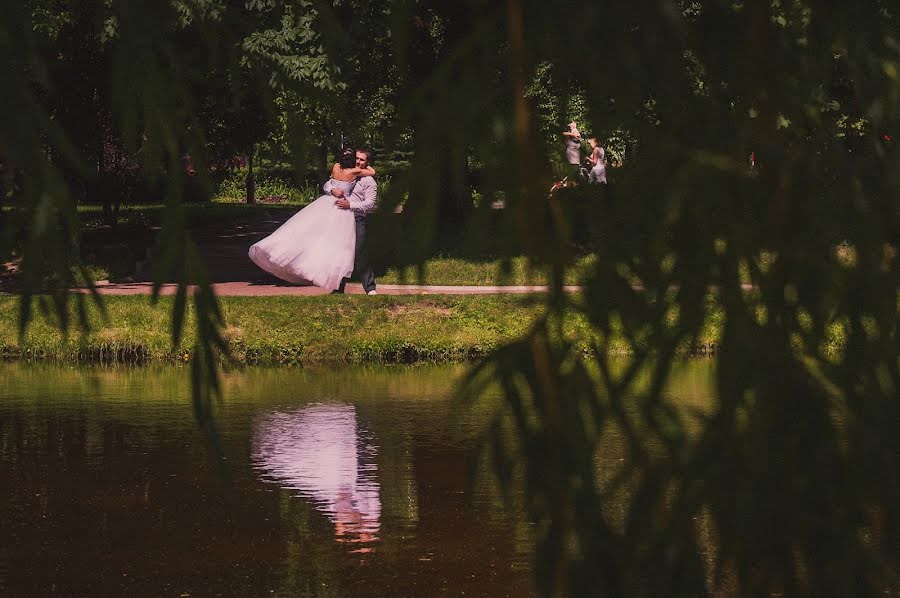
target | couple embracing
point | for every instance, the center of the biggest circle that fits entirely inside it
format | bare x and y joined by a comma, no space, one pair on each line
324,243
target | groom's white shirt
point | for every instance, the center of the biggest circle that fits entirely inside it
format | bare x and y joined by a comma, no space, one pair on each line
362,200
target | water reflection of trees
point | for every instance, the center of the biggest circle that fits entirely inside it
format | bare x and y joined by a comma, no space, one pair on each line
100,497
109,461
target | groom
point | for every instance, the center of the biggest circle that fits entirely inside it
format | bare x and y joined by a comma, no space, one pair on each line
362,202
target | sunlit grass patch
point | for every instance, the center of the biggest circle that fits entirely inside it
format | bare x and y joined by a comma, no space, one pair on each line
455,271
304,330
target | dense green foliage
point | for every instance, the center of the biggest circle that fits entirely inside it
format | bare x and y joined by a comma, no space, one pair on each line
800,442
793,485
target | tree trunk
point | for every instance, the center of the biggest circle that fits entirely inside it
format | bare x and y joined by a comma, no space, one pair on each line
251,182
324,167
454,199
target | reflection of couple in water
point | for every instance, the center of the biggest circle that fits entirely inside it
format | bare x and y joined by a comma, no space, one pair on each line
320,452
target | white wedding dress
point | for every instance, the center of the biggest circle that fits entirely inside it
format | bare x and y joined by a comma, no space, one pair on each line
315,246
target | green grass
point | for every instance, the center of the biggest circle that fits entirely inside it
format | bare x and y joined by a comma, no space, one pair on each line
204,213
466,272
328,329
269,188
280,330
297,330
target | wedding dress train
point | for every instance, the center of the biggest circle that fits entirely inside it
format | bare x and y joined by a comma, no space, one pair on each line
315,246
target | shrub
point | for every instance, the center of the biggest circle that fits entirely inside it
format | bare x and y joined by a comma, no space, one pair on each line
272,186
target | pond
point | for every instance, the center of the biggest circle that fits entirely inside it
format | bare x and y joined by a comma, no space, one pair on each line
357,481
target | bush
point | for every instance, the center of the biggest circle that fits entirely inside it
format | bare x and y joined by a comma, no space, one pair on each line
272,186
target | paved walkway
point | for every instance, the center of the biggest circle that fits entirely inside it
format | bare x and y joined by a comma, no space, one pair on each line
269,289
224,249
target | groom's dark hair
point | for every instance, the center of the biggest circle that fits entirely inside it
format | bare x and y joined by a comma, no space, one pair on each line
347,159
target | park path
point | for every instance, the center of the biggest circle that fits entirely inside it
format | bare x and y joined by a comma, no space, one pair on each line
274,289
224,249
267,288
234,275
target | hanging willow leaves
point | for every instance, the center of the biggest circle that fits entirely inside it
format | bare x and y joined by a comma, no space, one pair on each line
759,187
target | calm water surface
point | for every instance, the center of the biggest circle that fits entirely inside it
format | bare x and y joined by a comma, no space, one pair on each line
336,482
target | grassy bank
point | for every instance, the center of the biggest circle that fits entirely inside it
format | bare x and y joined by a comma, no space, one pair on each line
297,330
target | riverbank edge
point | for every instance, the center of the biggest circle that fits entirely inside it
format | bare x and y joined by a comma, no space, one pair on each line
401,352
329,329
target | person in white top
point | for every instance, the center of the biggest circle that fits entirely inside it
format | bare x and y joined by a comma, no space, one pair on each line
573,148
598,162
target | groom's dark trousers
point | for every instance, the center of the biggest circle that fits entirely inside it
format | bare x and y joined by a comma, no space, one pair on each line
361,266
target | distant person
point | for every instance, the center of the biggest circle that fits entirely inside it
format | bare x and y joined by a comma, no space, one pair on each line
573,148
317,245
361,202
597,161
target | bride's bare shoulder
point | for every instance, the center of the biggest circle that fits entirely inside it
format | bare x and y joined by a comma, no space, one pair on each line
342,174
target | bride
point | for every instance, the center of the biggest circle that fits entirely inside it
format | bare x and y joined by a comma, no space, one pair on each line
317,244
